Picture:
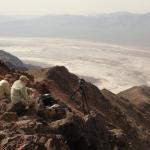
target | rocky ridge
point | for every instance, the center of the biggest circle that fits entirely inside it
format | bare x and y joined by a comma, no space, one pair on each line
12,61
113,122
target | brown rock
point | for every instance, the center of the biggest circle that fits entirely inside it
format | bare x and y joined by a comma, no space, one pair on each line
9,117
53,113
56,144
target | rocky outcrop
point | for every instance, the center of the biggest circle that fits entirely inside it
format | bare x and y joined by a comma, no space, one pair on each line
122,116
67,82
70,132
7,69
137,95
12,61
4,69
112,122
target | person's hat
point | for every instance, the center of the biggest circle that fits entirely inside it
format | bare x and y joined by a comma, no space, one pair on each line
23,78
8,76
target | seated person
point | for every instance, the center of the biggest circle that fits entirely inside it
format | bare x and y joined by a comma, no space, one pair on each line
20,97
5,87
19,90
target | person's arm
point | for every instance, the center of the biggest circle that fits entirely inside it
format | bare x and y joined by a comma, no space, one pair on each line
7,90
30,89
24,93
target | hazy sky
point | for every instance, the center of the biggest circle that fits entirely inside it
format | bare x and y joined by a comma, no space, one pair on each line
40,7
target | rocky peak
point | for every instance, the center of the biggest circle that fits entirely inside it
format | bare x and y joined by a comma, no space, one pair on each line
4,68
12,61
137,94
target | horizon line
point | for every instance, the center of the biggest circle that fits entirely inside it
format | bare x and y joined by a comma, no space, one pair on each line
70,14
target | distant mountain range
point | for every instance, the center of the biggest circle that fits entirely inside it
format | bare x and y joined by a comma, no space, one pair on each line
116,28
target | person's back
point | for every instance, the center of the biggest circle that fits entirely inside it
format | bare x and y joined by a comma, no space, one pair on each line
5,87
19,92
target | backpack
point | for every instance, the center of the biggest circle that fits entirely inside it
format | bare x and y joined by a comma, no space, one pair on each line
47,100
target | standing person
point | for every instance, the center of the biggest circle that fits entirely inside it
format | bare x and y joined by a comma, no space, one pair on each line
5,87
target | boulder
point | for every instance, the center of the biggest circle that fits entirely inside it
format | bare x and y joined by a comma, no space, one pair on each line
55,112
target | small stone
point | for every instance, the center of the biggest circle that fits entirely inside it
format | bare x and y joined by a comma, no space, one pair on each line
9,117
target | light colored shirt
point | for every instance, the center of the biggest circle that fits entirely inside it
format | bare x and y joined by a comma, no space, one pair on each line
19,92
4,89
